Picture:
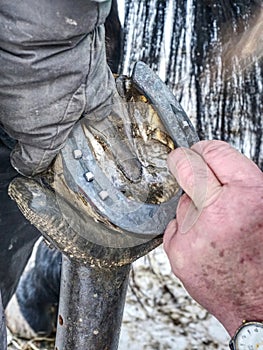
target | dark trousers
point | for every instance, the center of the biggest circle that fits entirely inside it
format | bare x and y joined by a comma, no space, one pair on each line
2,327
53,69
17,235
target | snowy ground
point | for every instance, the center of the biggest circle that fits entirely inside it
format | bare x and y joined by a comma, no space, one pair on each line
158,315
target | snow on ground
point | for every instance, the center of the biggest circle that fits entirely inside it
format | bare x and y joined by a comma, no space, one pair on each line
159,314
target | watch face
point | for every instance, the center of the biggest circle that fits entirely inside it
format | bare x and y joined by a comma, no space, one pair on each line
250,337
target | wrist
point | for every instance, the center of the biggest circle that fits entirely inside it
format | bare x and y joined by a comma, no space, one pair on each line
232,325
233,321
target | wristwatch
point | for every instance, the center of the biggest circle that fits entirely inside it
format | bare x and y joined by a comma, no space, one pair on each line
249,336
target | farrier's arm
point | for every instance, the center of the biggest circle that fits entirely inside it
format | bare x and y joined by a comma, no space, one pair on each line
53,72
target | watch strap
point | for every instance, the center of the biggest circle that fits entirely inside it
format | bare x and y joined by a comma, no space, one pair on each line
232,345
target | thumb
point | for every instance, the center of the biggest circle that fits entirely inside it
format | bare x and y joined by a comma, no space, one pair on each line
197,180
194,176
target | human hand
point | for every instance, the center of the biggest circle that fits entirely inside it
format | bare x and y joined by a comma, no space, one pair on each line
215,243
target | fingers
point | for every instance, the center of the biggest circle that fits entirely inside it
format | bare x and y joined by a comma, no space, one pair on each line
228,164
175,247
199,183
179,224
194,176
169,234
202,171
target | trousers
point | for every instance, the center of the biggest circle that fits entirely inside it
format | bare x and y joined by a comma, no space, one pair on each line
53,70
17,235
